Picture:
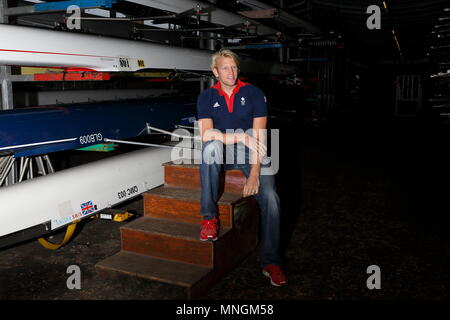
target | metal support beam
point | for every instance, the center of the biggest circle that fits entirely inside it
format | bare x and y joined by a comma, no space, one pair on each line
218,16
284,16
6,88
25,10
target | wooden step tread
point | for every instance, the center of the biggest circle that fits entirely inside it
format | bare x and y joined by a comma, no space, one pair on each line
171,272
191,165
192,195
184,165
172,228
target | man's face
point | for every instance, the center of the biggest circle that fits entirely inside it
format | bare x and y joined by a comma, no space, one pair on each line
226,71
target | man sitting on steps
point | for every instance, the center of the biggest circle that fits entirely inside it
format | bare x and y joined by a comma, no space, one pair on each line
229,106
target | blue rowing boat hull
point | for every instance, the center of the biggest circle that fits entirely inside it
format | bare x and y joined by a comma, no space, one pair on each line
42,130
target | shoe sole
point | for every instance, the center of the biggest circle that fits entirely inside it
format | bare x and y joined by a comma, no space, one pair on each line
271,282
209,239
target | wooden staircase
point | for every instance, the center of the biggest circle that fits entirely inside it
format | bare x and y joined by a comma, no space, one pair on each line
164,244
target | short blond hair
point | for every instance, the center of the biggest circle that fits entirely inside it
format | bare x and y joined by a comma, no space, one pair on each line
226,53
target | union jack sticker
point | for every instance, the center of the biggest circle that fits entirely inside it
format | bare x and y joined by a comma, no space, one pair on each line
87,208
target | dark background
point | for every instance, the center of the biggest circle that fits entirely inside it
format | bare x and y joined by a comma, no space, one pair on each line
359,184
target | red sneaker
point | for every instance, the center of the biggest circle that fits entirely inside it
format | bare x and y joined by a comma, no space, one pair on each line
209,230
274,272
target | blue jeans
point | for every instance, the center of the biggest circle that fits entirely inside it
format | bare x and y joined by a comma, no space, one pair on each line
213,161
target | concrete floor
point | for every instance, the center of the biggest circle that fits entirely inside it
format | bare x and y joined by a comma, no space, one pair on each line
352,195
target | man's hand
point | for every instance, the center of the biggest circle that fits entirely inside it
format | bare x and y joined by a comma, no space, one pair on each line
251,187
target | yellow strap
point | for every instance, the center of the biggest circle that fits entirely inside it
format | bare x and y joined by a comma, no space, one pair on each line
69,233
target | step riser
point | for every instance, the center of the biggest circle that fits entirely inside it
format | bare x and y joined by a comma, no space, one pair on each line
182,211
168,247
233,181
132,264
